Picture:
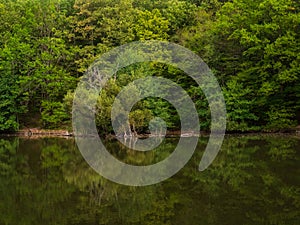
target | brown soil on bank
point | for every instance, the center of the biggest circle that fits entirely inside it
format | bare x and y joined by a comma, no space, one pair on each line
42,132
37,132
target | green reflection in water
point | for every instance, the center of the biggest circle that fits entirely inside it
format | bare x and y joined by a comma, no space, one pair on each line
253,180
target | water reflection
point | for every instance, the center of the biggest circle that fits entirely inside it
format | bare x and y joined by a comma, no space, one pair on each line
253,180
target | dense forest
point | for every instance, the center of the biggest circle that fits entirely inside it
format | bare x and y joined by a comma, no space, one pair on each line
252,47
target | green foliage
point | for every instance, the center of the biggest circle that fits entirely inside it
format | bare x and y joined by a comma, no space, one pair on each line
139,119
280,119
53,114
239,104
151,26
8,106
34,57
253,48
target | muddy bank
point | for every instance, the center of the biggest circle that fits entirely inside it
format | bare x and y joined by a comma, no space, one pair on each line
35,132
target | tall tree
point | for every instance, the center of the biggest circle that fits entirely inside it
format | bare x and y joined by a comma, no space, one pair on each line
256,43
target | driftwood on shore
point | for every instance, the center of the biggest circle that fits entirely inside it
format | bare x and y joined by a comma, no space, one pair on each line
41,132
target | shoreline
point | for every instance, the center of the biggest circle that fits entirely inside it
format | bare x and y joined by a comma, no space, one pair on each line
35,133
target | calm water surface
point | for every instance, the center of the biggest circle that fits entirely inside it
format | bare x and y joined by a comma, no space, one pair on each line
253,180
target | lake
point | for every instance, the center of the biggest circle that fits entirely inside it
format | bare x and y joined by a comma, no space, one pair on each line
255,179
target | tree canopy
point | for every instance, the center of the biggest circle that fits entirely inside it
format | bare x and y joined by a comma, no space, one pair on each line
252,47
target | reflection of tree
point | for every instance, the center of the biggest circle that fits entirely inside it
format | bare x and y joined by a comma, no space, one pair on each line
254,180
247,184
32,189
119,204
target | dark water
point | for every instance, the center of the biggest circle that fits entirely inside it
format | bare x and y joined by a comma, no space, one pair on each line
253,180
